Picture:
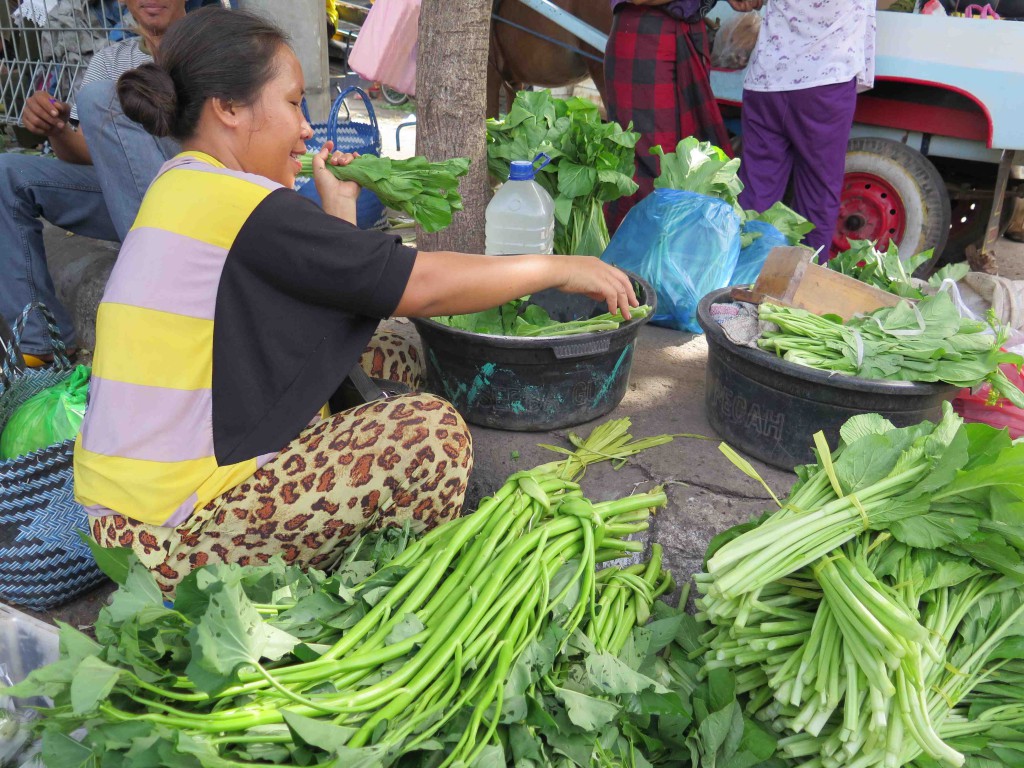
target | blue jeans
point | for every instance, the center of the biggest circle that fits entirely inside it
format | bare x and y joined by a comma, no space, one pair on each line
98,201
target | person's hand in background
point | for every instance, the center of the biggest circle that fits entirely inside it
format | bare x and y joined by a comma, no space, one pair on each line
44,115
744,6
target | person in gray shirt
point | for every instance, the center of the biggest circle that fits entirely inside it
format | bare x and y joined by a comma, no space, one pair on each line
104,164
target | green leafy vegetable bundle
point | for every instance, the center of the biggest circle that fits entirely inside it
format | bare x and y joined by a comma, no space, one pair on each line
490,640
790,223
926,341
888,270
591,162
428,192
876,619
701,167
520,318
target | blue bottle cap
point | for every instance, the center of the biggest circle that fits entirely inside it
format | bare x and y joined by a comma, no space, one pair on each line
521,170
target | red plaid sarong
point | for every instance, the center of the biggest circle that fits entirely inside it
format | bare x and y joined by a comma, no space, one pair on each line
657,71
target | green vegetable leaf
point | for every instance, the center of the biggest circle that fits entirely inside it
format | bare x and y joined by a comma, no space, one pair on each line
610,676
321,734
409,626
932,530
862,425
75,645
955,272
866,461
306,619
613,184
1006,470
491,756
231,634
721,730
93,681
535,661
790,224
60,749
563,210
139,591
587,712
113,561
575,180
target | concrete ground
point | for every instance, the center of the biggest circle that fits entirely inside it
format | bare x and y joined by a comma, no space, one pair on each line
665,396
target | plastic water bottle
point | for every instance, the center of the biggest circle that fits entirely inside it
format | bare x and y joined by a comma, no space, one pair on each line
521,216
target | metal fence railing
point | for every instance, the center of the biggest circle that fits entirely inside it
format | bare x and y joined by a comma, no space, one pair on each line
47,44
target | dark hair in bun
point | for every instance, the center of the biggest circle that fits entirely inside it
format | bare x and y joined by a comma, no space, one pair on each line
148,97
211,53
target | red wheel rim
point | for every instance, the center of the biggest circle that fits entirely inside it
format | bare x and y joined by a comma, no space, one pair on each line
870,209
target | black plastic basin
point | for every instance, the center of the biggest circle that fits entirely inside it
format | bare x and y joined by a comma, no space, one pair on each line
534,384
770,408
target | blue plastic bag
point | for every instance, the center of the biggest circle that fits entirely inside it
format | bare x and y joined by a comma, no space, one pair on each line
684,244
748,265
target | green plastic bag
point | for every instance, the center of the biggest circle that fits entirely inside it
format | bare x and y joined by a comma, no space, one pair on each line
51,416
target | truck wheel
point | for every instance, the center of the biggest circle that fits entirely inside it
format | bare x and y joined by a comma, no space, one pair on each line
892,192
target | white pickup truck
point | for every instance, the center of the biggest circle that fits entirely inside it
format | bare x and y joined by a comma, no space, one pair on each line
933,143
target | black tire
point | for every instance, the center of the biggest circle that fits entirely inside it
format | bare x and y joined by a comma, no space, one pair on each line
393,97
918,186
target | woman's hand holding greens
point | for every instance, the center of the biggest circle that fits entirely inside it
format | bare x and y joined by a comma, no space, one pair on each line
338,197
449,283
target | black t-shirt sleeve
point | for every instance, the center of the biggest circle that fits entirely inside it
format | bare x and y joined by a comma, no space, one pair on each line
312,255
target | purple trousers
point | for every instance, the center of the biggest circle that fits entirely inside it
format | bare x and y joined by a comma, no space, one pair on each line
802,134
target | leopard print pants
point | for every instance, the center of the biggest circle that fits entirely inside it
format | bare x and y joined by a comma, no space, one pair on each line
375,465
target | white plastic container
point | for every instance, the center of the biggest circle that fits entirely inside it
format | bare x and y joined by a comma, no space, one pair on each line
521,216
25,645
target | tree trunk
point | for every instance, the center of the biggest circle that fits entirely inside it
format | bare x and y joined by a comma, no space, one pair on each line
451,100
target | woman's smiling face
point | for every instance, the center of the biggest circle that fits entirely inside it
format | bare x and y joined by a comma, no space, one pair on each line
274,130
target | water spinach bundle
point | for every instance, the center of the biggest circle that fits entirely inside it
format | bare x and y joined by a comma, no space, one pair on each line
926,341
428,192
520,318
876,620
491,640
591,162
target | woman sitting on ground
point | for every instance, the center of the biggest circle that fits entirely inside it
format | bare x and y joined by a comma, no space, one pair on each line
235,310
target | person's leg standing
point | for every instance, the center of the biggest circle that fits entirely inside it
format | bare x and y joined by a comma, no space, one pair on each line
125,156
820,124
767,157
640,72
33,188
